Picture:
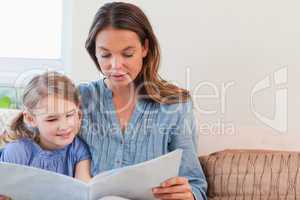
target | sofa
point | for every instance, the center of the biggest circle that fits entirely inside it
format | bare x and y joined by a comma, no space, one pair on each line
252,174
6,116
239,174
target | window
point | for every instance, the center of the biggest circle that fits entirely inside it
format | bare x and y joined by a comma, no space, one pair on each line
35,36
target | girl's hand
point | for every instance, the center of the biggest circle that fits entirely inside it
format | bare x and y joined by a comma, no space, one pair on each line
174,188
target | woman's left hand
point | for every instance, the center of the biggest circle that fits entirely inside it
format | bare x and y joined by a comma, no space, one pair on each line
174,188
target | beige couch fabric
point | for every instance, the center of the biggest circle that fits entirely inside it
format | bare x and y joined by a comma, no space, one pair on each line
252,174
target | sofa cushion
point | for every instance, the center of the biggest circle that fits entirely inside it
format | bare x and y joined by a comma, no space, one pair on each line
252,174
6,116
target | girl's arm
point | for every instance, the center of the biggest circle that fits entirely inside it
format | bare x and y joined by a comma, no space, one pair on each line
82,170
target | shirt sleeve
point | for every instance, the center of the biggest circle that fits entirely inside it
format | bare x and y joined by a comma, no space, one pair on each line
81,150
15,152
87,107
185,137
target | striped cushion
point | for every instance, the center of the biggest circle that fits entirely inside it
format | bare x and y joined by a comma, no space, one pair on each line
252,174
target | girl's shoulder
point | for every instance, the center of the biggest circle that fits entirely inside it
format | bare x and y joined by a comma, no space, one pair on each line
78,143
18,151
78,148
24,143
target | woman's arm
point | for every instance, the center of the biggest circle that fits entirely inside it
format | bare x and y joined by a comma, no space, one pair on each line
82,170
191,183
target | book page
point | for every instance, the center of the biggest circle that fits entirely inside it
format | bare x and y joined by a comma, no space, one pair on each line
28,183
136,181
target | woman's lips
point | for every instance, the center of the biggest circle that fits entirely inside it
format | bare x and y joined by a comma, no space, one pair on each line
118,77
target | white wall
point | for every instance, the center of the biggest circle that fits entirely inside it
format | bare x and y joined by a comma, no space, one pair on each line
210,45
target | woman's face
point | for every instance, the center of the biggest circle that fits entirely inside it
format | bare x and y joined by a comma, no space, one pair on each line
120,55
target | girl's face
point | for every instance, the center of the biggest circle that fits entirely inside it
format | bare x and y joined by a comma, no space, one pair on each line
57,120
120,55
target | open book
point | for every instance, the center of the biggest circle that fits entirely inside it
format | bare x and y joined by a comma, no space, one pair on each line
133,182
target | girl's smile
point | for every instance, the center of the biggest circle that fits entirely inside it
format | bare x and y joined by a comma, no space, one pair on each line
57,120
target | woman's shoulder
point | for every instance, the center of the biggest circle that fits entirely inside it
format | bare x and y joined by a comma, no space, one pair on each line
93,90
177,108
90,87
169,113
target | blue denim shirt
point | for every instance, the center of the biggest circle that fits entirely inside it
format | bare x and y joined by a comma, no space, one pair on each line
153,130
27,152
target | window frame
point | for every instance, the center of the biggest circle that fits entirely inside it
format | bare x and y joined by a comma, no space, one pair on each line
12,68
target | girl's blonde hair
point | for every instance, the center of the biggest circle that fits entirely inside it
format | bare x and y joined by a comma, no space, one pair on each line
41,86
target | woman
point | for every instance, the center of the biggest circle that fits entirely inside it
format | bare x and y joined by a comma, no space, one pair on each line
133,115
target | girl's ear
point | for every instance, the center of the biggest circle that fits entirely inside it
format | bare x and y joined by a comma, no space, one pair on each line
145,48
79,112
29,119
80,119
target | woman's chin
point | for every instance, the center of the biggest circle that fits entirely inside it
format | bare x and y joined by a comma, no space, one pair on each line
120,82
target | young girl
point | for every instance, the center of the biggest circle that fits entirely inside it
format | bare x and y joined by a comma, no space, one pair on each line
44,134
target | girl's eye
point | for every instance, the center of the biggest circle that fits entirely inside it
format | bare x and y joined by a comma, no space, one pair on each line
70,115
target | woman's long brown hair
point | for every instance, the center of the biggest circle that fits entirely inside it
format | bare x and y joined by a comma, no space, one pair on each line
127,16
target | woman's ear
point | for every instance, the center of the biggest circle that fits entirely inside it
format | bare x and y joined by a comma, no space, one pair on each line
145,48
29,119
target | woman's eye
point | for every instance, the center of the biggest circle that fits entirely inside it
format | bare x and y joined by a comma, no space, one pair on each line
51,120
105,55
128,55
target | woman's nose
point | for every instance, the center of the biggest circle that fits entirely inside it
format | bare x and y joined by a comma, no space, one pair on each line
116,63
